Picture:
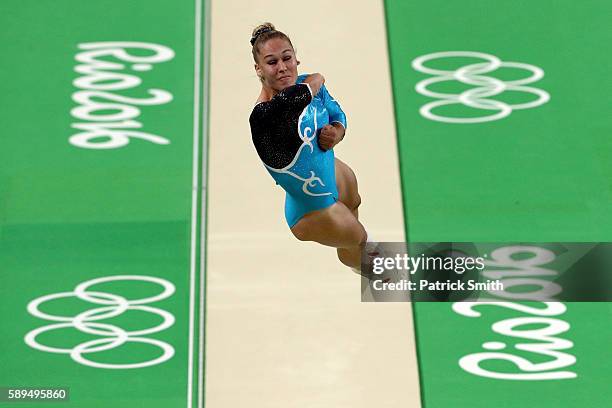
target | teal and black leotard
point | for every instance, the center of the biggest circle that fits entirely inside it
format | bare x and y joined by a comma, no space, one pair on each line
285,132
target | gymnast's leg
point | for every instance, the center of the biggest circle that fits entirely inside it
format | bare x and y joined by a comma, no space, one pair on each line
337,225
334,226
348,193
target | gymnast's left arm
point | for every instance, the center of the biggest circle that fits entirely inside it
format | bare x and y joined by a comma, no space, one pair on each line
332,133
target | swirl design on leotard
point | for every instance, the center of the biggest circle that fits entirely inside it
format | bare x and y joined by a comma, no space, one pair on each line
307,137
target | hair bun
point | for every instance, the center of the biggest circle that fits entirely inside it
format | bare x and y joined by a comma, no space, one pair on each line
260,29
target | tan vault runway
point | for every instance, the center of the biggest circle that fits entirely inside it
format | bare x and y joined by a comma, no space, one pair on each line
285,325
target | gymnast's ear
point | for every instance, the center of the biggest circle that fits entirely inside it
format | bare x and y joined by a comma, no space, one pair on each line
258,70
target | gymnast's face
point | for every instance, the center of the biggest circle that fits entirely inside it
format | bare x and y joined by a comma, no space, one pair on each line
277,64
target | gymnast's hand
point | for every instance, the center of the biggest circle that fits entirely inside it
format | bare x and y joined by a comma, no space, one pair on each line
330,136
315,81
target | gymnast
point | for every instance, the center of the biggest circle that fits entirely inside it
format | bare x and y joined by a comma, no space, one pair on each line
295,125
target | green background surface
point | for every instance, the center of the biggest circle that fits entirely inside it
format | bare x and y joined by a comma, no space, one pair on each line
541,174
69,214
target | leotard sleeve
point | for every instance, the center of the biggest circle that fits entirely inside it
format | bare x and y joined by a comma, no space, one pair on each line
274,125
289,101
333,107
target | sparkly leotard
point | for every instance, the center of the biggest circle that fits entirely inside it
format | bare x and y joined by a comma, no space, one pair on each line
285,133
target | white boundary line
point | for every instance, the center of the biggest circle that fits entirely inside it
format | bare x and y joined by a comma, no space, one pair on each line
194,194
204,183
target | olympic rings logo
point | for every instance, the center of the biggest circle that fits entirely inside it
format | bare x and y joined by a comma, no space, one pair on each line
88,322
486,86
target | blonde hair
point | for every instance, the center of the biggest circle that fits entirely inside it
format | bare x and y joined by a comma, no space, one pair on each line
263,33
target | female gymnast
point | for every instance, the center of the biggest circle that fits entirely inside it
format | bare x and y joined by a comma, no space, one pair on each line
295,126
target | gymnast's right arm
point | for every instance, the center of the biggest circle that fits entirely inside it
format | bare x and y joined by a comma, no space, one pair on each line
290,101
273,123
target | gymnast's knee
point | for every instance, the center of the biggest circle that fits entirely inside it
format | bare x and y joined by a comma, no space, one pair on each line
300,232
356,202
363,238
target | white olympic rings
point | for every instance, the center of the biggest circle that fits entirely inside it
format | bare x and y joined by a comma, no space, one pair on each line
486,86
113,336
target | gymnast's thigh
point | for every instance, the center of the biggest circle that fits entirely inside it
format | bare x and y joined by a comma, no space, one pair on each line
334,226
